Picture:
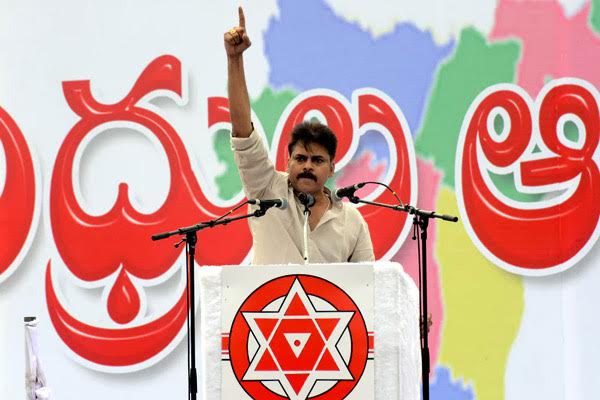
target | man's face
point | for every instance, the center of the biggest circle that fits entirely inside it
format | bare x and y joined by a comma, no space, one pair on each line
309,167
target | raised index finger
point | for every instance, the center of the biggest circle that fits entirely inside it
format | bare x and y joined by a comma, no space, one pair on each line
242,17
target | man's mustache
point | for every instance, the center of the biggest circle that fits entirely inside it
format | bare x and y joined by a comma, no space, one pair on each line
307,175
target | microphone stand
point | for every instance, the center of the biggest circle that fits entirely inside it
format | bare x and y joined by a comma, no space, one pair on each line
191,238
420,222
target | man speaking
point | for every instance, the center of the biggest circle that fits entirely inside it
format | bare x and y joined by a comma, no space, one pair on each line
338,232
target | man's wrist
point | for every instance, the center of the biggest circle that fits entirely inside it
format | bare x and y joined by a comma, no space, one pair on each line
237,135
235,58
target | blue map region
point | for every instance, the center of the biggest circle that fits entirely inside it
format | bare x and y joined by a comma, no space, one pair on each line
443,388
309,47
375,142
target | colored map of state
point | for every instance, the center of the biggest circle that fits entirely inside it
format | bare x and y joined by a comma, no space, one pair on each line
308,47
555,46
474,66
483,306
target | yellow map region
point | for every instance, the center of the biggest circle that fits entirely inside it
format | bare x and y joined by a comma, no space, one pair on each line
483,308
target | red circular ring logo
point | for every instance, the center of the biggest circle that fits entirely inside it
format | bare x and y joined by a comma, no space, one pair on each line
278,288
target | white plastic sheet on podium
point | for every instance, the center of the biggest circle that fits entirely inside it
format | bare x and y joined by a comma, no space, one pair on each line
35,378
396,345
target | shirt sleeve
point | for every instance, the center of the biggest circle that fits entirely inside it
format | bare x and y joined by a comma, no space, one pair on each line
363,251
252,159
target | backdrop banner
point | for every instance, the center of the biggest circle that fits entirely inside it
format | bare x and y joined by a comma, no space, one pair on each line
114,126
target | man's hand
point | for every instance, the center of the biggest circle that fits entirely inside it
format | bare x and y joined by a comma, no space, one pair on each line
236,39
236,42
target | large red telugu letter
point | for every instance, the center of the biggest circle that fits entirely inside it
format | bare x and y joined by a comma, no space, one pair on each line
17,195
94,247
552,234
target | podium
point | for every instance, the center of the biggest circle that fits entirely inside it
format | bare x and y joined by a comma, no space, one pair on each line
323,331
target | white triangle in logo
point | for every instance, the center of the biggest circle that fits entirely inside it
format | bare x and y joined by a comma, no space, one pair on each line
297,341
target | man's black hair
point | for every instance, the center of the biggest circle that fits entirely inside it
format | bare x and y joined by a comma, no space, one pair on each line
313,131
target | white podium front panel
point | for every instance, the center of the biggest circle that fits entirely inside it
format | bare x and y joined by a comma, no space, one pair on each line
392,360
297,332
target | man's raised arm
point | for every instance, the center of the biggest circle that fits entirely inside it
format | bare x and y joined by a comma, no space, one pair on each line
250,154
236,42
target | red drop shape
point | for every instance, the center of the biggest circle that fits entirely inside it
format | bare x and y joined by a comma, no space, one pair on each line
123,300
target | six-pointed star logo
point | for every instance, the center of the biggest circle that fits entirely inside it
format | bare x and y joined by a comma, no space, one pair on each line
297,344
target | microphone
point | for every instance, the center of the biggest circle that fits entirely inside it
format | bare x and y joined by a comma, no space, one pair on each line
278,203
347,191
306,199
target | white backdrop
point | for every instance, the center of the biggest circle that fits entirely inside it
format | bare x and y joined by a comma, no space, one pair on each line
553,354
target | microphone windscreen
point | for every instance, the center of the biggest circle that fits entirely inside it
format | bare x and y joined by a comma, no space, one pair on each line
306,199
334,196
284,204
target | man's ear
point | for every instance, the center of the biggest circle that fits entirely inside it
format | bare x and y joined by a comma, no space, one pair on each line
332,171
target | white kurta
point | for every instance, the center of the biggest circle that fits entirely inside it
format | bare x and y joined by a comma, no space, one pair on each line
341,235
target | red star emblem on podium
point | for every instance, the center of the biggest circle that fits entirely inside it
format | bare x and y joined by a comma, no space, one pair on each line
297,344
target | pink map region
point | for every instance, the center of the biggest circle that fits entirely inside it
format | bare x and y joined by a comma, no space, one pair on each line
552,45
429,183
